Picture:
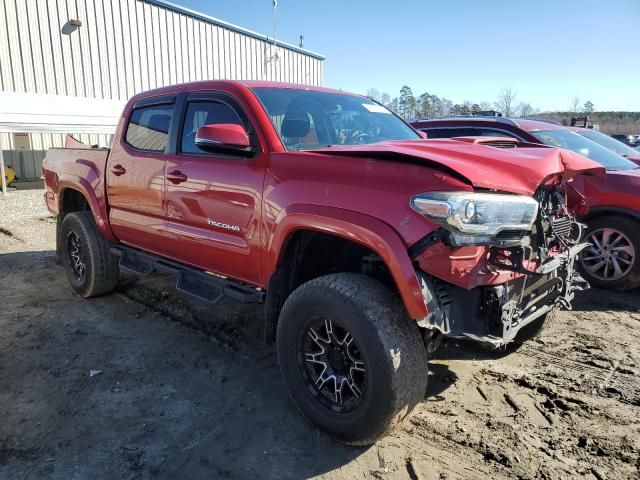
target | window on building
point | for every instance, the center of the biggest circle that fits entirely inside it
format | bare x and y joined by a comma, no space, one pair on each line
148,128
204,113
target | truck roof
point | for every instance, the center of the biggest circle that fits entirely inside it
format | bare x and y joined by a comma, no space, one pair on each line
530,125
213,84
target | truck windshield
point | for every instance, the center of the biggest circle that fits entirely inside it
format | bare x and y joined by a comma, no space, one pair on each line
608,142
577,143
309,119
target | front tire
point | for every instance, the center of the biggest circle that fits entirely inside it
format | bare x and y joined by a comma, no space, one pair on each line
89,265
353,362
613,260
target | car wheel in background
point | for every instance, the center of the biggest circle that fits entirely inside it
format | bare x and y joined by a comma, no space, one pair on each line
613,259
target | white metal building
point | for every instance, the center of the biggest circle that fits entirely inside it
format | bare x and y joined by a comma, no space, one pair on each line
112,49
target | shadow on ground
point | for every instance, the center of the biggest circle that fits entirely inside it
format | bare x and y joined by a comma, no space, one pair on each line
596,299
110,386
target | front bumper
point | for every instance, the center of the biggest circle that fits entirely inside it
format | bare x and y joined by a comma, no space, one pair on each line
494,314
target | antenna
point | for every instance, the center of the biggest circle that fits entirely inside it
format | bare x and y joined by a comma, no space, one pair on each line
274,56
275,6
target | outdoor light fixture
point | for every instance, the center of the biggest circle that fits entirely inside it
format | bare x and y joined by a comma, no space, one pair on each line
71,26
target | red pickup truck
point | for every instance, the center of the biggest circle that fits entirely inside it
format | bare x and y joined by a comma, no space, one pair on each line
366,242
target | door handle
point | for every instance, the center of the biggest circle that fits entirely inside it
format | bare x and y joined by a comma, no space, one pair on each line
176,177
118,170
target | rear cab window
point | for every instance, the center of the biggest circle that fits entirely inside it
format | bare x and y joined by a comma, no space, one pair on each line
148,127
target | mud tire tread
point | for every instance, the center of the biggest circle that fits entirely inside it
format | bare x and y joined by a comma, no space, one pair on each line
102,266
385,318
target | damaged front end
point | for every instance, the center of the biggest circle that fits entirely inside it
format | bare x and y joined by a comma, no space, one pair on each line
489,284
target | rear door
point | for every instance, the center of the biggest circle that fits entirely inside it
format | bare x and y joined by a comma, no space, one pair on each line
213,201
135,175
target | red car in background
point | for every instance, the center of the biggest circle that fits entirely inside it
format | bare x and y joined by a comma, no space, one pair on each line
609,204
609,142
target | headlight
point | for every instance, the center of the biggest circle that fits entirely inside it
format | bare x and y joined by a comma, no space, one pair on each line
477,214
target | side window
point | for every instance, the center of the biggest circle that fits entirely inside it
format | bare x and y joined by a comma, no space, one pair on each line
204,113
494,133
465,132
148,127
449,132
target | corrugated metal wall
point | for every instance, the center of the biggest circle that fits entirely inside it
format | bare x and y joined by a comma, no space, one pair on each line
124,47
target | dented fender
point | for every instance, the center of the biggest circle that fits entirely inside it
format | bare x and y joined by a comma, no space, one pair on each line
360,228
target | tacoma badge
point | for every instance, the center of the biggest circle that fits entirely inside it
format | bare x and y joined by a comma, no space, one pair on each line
226,226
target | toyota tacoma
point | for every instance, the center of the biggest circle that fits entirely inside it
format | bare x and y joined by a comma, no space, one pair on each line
366,242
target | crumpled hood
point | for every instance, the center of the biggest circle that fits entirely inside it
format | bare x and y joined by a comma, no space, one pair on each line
515,170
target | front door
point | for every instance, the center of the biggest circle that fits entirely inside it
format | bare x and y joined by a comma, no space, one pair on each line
213,201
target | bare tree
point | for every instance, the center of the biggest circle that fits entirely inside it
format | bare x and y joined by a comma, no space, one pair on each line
525,109
443,107
374,93
574,106
506,102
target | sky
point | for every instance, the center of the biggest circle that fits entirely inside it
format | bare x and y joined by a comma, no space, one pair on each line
547,51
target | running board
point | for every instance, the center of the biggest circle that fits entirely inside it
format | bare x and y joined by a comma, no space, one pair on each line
191,281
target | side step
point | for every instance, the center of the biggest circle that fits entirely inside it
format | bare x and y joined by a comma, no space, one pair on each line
190,280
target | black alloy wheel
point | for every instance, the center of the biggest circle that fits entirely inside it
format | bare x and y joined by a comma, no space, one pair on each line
76,256
332,364
351,359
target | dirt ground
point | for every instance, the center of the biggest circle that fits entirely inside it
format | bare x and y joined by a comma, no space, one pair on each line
145,384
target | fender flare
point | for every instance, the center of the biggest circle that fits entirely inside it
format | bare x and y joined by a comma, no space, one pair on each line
87,190
611,210
357,227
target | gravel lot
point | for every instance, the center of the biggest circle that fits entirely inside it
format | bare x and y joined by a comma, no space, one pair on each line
143,383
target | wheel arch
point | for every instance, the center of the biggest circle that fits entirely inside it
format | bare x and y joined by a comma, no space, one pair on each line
597,212
70,193
596,266
345,225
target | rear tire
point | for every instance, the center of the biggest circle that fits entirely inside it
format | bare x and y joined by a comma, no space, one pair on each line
384,360
89,265
615,243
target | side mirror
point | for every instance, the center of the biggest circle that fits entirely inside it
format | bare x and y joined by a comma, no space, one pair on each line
423,134
229,138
